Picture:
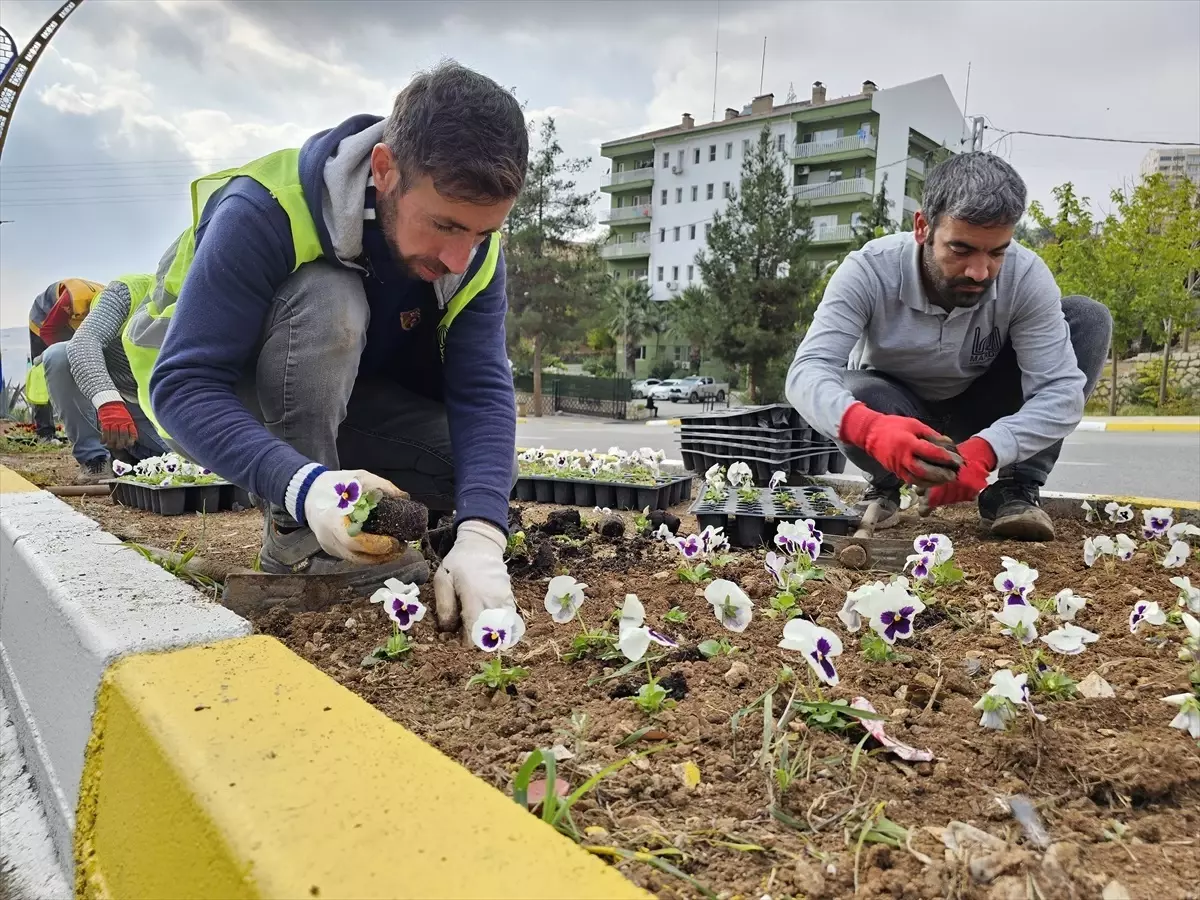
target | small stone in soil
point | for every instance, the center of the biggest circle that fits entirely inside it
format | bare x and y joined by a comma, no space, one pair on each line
405,520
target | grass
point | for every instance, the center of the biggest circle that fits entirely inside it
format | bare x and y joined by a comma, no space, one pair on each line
1186,407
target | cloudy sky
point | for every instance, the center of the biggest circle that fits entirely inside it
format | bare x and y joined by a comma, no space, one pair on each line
136,97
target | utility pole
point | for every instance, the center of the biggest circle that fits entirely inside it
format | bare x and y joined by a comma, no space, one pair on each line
16,69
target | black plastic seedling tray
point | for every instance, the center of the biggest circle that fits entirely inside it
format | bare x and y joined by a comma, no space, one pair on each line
175,500
751,525
767,438
665,493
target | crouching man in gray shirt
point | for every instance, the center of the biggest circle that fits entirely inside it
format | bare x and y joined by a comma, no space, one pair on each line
953,329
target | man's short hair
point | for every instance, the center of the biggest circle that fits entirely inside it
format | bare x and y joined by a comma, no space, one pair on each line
980,188
461,129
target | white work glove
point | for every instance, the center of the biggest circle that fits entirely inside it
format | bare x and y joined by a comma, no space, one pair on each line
472,577
326,509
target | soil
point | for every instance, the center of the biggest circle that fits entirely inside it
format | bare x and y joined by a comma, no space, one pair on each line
1093,763
1116,789
405,520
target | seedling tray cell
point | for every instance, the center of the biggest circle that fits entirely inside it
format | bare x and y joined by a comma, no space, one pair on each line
754,524
175,500
663,494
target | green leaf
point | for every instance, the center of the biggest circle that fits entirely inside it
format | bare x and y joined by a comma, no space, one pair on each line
710,648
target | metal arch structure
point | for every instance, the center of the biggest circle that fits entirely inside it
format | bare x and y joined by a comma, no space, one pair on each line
16,69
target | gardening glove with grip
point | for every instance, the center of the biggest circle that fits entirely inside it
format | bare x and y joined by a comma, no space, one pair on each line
472,577
978,461
327,506
898,443
117,429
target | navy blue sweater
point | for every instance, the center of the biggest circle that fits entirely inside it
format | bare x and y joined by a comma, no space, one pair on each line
244,252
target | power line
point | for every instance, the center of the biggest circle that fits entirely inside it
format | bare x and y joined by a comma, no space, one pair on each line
1105,140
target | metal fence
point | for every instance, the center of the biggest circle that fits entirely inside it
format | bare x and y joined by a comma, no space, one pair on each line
580,394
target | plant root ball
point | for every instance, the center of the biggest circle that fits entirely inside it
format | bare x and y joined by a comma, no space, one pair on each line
405,520
662,517
563,521
613,527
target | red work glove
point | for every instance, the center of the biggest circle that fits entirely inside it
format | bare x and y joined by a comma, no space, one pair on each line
896,442
978,460
57,326
117,430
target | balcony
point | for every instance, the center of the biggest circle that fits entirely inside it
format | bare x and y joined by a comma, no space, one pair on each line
833,234
626,214
628,178
916,166
847,146
640,246
911,205
843,191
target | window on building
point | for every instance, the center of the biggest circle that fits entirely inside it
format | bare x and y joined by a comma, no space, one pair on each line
695,192
707,229
725,189
781,143
662,235
676,232
860,172
660,273
678,195
696,156
729,149
631,273
674,273
664,196
746,147
691,232
708,192
681,159
641,350
691,270
666,160
712,152
834,176
682,353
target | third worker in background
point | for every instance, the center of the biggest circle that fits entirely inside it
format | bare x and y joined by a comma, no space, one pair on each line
953,329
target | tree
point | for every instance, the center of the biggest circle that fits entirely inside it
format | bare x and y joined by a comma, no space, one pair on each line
696,316
755,266
553,281
631,315
878,221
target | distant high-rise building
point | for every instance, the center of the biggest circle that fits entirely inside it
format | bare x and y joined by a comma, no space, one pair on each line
1174,163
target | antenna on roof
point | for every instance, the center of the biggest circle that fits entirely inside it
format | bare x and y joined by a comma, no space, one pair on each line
762,71
716,61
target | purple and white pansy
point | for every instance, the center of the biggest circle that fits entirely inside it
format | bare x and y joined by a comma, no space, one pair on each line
121,468
347,493
922,565
400,601
498,629
633,636
819,646
1177,555
564,596
1067,603
1018,621
1145,611
1015,582
1096,547
891,611
936,545
732,607
1156,522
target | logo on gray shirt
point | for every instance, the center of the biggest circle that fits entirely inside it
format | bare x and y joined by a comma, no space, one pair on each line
985,349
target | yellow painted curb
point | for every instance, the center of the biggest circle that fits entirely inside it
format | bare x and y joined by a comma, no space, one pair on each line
237,770
520,420
12,483
1155,501
1179,427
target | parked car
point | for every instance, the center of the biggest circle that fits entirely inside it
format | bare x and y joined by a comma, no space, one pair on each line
695,388
641,389
663,390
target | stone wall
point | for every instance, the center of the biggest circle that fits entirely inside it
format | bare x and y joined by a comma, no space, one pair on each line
1184,374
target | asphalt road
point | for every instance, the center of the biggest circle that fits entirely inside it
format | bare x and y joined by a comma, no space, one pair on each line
1147,464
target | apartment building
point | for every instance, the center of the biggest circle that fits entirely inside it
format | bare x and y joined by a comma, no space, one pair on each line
1173,162
666,184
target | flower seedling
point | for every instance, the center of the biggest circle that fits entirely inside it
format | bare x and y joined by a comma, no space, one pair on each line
1189,595
651,698
356,504
675,615
1067,603
1097,547
516,545
1089,511
800,541
1156,522
1052,682
1190,651
697,550
834,716
564,596
633,635
732,607
641,522
714,484
740,475
1003,699
819,646
1188,717
890,609
1070,639
714,647
400,602
783,604
1181,531
1015,582
1018,621
748,494
495,631
876,649
1118,514
1144,611
1177,555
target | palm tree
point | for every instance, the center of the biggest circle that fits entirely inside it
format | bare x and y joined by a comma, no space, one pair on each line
632,315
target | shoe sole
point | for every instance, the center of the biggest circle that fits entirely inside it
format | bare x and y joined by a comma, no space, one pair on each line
1030,525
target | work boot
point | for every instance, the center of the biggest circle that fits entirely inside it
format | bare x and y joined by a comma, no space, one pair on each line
94,471
889,505
1013,509
297,552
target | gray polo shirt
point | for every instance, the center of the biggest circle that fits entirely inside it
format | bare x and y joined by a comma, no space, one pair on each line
875,315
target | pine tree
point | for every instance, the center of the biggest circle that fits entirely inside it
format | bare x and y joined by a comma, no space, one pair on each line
755,266
553,281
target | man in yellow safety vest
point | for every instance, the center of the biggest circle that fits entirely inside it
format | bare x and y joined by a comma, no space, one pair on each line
336,314
56,314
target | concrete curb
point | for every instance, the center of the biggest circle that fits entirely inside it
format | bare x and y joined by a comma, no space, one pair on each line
1085,425
72,600
174,754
